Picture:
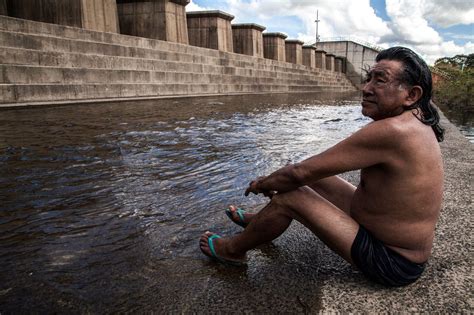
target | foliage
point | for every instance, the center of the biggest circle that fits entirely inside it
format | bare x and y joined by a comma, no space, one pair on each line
458,62
456,92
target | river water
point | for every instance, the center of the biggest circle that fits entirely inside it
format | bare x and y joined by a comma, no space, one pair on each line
463,119
102,205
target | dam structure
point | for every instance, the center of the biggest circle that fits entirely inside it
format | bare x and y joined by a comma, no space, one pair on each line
80,51
352,54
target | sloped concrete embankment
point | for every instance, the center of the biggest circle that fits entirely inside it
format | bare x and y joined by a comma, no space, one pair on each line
47,63
297,274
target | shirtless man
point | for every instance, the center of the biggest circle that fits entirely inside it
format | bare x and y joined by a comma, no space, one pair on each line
385,225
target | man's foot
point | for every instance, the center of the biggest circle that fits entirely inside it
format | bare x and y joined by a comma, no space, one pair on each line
239,216
214,246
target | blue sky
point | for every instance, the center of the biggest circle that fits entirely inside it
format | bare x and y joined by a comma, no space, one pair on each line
433,28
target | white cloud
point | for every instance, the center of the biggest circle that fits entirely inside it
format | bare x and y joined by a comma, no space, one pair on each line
341,17
410,26
194,7
448,13
446,49
411,22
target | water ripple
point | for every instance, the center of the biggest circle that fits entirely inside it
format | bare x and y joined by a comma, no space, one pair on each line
89,189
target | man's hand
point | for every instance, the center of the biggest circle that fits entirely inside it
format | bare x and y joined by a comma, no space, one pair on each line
254,187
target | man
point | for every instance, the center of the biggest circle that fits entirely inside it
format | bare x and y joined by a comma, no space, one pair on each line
385,225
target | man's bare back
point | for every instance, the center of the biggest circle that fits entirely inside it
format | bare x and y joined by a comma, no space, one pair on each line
399,200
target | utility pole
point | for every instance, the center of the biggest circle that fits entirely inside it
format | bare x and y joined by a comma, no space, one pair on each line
317,22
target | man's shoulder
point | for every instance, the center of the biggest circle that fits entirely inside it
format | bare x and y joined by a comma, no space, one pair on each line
395,128
385,131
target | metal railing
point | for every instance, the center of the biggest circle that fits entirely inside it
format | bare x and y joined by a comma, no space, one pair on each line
349,39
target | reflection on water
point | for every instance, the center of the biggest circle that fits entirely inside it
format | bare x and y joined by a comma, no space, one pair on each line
99,203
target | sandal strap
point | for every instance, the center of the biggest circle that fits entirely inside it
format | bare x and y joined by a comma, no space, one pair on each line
240,212
210,242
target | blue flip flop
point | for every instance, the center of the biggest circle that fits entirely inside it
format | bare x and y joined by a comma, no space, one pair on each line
240,212
210,242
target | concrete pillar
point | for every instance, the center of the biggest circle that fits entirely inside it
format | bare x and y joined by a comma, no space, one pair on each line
157,19
338,64
274,46
3,7
248,39
210,29
97,15
320,56
100,15
330,62
309,56
294,51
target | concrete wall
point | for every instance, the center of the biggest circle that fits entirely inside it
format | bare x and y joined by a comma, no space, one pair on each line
3,7
98,15
294,51
248,39
274,46
210,29
64,12
358,57
158,19
309,56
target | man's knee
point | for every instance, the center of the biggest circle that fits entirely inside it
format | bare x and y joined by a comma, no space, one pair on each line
291,198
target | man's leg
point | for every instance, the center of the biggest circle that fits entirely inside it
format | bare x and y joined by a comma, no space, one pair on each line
336,190
331,224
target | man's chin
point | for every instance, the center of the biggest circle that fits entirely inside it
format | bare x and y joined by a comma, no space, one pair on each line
366,113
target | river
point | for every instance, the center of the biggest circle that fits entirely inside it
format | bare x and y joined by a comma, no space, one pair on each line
102,205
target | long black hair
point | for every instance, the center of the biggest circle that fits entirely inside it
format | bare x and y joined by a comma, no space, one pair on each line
416,72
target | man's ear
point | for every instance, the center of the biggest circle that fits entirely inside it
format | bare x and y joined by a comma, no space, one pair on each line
414,94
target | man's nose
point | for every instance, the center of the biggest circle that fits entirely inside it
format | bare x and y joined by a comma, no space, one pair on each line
366,89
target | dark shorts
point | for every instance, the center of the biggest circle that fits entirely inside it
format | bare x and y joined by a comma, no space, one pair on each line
382,264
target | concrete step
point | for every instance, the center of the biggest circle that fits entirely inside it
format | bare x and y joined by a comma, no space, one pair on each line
16,25
19,93
9,24
26,74
44,43
42,62
75,60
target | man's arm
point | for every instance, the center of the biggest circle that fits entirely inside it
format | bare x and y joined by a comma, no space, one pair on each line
374,144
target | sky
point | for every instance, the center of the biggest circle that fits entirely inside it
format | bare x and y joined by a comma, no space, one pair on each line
432,28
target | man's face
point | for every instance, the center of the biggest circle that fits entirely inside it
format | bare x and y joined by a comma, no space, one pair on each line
383,94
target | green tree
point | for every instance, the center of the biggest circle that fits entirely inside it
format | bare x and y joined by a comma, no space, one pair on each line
458,62
457,90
